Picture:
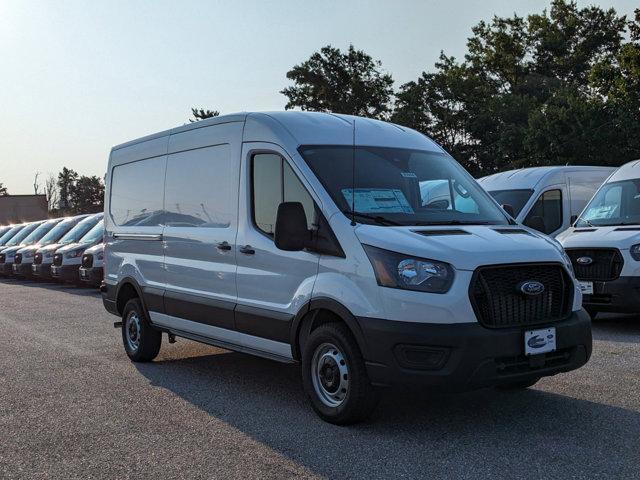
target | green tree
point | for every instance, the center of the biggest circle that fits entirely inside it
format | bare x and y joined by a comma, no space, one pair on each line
3,190
332,81
66,181
201,114
557,87
87,195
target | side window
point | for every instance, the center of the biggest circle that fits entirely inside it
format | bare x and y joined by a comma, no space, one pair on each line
273,182
198,191
136,193
546,213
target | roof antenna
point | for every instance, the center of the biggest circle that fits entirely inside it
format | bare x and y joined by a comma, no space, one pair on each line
353,176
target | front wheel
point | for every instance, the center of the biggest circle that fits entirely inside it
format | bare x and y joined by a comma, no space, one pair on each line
335,377
141,341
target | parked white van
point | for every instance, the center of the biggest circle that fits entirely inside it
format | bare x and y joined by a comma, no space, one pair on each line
547,199
302,236
604,244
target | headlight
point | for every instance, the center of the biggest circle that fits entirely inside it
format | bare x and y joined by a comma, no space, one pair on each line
635,251
73,254
100,256
396,270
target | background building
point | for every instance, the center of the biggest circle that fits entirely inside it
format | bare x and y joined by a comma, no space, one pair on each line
20,208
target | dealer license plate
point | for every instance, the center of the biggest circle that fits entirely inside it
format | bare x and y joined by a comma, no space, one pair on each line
539,341
586,287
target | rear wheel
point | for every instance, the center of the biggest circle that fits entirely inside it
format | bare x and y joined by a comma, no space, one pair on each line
141,341
334,376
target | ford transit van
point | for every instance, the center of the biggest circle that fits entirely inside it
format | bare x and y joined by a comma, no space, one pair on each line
304,237
67,259
24,257
604,245
9,234
8,252
547,199
91,271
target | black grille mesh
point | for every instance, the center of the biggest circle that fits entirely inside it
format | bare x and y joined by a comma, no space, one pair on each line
499,303
18,258
37,259
87,260
606,263
57,259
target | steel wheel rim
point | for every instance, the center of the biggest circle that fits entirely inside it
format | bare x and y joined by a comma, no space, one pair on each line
330,375
132,331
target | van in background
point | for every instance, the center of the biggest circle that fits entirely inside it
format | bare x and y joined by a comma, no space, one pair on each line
547,199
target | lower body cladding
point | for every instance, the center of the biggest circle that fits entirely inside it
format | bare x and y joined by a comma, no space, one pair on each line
467,356
41,270
65,273
91,276
22,270
621,295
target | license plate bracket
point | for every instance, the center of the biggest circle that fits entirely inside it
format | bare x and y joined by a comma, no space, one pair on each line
586,287
539,341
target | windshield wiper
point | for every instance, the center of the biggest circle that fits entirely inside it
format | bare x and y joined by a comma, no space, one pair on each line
376,218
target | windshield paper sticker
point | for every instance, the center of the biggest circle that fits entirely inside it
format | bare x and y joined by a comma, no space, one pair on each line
375,200
603,212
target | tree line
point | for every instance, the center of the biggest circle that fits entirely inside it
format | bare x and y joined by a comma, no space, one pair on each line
557,87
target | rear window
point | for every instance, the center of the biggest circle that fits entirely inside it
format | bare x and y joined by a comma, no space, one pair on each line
137,192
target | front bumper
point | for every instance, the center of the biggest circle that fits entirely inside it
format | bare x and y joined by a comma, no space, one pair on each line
6,269
42,270
65,273
21,269
460,357
621,295
92,275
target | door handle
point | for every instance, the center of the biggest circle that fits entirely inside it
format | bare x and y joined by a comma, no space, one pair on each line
247,250
224,246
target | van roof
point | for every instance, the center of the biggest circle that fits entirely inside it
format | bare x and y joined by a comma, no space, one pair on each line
310,128
528,178
627,171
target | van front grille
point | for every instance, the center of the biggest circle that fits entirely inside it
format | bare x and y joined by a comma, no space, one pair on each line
600,264
18,258
499,301
37,259
87,260
57,259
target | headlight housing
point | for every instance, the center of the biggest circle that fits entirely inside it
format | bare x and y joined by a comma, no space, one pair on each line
396,270
74,253
100,256
635,251
567,262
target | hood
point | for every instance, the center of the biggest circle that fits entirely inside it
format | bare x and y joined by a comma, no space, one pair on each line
72,246
621,237
95,249
11,250
50,248
465,247
30,248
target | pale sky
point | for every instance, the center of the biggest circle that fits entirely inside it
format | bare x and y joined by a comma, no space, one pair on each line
77,77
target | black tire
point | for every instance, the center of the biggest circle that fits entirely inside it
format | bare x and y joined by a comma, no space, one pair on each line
521,385
593,313
361,398
147,338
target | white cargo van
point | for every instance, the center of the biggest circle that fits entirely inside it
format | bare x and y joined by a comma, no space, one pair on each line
547,199
305,237
604,244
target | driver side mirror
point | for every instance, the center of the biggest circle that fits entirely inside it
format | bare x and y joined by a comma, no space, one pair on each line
291,232
509,209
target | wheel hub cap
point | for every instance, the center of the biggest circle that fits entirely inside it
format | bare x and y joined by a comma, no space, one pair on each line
330,375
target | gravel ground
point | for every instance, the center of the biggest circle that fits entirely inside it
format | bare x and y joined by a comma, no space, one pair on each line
73,406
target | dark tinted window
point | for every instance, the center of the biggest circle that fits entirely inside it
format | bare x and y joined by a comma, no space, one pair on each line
546,213
137,191
516,198
274,182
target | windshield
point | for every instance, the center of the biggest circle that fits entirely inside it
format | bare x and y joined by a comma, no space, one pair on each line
516,198
80,230
392,186
7,236
22,234
616,203
58,231
38,233
94,235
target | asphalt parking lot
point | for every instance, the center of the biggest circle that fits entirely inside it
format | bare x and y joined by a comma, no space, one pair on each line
73,406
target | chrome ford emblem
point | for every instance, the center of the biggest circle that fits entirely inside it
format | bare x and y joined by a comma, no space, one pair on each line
585,260
531,287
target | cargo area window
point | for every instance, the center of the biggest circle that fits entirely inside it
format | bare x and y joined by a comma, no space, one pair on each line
546,214
273,182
